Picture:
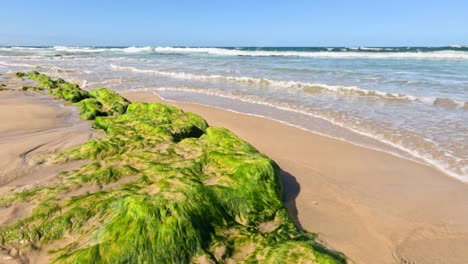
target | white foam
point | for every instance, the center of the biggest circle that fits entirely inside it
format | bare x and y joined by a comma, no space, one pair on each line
134,49
264,82
13,64
435,55
356,53
458,46
373,49
79,49
20,48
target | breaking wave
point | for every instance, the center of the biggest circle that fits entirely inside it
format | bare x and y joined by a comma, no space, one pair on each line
308,88
454,52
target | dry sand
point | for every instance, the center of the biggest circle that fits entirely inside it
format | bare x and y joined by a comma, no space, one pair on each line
372,206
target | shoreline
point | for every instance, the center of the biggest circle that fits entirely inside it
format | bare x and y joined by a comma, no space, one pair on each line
424,163
355,196
370,205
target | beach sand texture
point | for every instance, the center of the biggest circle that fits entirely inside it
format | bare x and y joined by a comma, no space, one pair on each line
372,206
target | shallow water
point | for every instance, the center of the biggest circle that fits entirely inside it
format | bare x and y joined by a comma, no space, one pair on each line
412,102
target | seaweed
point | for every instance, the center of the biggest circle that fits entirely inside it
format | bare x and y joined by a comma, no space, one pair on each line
163,187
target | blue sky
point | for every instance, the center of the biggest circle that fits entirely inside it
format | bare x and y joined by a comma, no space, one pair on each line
234,23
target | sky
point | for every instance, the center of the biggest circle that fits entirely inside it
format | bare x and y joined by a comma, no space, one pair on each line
234,23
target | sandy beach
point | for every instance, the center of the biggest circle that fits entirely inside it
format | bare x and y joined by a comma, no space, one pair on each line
225,132
372,206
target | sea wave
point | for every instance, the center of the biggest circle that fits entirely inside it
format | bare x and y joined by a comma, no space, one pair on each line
20,48
308,88
135,49
79,49
434,55
454,52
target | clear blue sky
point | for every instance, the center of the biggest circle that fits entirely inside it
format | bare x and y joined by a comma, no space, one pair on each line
234,23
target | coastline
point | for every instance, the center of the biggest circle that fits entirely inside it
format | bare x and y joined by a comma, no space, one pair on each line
372,206
354,196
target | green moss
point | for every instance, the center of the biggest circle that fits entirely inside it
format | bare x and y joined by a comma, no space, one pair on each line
90,108
170,190
69,92
58,88
112,102
103,102
20,75
42,81
99,102
32,88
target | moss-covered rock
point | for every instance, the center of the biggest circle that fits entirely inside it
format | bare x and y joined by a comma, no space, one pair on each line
163,188
98,102
69,92
112,102
58,88
102,102
90,108
20,75
32,88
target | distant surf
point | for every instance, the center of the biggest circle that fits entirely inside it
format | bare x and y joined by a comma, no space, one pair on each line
453,52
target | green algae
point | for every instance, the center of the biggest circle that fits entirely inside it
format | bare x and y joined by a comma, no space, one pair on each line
57,88
112,102
90,108
32,88
170,189
98,102
102,102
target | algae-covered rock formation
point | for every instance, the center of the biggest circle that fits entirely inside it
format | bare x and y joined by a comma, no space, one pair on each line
99,102
161,187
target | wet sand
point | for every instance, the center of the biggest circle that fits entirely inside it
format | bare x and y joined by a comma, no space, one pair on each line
372,206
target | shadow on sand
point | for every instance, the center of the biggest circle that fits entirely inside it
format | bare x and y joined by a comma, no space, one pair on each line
291,189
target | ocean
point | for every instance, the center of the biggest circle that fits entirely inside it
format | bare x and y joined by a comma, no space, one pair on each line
408,101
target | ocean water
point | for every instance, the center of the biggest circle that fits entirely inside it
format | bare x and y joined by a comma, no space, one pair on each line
408,101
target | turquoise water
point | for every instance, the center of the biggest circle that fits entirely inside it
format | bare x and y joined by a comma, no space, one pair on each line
408,101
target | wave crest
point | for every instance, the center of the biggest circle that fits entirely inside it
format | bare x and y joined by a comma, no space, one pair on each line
443,54
309,88
454,52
